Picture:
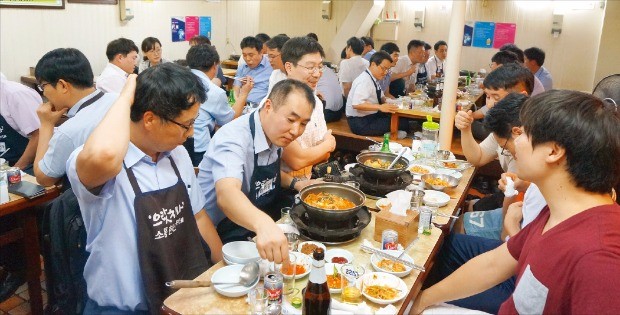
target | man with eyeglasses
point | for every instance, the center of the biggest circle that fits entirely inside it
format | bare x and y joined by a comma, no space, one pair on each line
274,54
240,173
303,61
66,80
256,71
367,112
143,210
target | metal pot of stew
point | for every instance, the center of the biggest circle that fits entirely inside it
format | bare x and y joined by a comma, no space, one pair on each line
375,164
331,201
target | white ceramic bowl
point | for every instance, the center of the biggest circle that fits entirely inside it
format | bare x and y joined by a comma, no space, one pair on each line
384,279
383,204
329,270
300,246
231,274
427,168
460,164
303,260
435,198
456,174
375,259
241,252
338,252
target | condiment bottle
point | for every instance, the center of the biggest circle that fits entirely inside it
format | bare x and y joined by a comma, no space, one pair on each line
385,147
430,133
316,296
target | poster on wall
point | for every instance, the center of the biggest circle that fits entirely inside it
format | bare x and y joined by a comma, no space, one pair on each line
468,33
191,27
504,34
177,25
205,26
483,34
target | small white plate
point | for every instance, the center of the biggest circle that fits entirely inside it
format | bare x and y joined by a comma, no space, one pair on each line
329,270
300,246
338,252
384,279
435,198
231,274
303,260
460,165
375,259
427,168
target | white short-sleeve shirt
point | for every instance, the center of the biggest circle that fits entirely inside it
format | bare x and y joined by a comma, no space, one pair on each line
490,146
351,68
362,91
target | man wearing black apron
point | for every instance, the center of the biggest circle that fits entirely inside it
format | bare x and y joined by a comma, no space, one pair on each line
141,204
366,111
19,124
240,174
405,72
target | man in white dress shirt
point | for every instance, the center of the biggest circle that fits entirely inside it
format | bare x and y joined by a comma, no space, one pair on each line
122,56
407,66
351,67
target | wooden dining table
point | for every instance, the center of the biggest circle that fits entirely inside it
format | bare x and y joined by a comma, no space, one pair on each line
24,212
206,301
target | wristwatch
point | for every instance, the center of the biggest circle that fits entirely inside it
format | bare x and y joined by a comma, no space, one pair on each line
293,182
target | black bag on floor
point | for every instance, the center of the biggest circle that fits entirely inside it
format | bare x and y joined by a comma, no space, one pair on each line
64,255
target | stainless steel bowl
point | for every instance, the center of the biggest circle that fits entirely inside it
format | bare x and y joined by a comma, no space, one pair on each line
452,182
379,172
443,154
345,191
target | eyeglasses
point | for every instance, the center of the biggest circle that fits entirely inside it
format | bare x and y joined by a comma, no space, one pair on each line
272,57
156,51
41,86
384,68
504,152
313,70
186,127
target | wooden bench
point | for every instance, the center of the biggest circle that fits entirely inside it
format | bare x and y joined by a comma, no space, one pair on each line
347,140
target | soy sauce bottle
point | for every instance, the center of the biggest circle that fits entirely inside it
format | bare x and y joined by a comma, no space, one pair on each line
316,295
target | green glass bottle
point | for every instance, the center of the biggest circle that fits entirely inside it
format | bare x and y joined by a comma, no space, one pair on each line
231,98
385,147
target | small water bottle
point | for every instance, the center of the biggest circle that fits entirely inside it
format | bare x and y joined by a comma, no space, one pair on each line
430,133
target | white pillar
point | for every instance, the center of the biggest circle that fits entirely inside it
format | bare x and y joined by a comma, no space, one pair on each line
453,63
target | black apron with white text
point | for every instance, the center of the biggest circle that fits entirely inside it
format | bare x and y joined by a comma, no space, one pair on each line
421,77
377,88
169,244
264,188
12,144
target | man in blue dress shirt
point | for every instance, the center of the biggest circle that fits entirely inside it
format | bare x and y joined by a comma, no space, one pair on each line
256,69
534,60
139,197
240,173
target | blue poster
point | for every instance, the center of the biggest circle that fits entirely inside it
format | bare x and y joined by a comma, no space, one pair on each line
468,33
177,25
205,26
483,34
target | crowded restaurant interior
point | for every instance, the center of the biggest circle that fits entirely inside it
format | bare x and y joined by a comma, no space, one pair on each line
309,157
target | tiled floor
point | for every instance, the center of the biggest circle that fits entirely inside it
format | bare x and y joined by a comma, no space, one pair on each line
19,303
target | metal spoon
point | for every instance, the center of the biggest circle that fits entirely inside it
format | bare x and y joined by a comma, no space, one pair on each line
247,276
373,140
402,151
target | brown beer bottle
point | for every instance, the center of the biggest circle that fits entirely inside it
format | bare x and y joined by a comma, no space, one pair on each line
316,295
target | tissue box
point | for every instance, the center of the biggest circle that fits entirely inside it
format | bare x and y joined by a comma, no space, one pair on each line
407,227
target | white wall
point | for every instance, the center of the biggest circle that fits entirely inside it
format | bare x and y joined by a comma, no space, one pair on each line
27,34
610,44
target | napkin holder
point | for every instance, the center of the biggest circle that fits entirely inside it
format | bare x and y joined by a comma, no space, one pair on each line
407,227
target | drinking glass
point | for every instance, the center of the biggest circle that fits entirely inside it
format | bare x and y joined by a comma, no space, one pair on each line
350,274
258,300
285,218
288,269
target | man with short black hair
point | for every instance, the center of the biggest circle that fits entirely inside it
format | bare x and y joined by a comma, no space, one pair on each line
274,53
66,80
394,52
534,60
203,60
256,70
264,38
436,64
556,272
122,55
405,72
351,67
240,174
369,47
138,195
538,86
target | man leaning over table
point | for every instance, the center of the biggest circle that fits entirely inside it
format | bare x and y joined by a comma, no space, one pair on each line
567,260
141,204
240,173
303,61
366,110
122,55
66,80
256,70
